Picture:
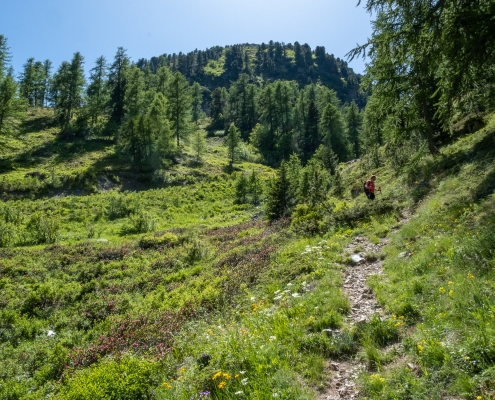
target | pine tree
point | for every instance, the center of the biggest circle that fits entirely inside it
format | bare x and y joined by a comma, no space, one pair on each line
134,98
353,123
97,91
69,89
47,78
232,141
333,129
318,182
117,85
198,144
218,106
163,78
162,135
28,81
197,102
310,136
12,108
255,188
280,197
5,57
241,190
179,106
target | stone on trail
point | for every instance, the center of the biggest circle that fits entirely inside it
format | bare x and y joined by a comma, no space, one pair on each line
357,258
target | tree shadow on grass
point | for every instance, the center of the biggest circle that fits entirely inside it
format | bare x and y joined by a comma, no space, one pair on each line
63,151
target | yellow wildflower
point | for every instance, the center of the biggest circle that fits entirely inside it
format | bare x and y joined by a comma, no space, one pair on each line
470,276
167,385
217,375
451,292
226,376
442,289
222,384
236,376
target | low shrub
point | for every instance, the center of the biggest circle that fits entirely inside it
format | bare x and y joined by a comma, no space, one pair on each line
43,228
156,241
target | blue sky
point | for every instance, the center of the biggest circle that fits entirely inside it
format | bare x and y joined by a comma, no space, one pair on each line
55,29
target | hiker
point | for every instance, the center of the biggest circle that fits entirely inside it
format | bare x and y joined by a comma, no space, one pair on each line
369,188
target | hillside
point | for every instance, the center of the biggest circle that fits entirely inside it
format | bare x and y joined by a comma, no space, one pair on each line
220,66
130,285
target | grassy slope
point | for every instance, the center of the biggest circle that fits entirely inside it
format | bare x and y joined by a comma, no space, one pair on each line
225,304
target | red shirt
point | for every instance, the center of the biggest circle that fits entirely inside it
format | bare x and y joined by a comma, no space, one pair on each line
370,186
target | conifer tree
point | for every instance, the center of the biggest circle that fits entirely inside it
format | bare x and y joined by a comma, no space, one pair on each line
163,78
160,126
241,190
12,108
232,141
353,122
198,144
333,129
5,56
134,97
179,106
47,78
117,84
69,89
197,102
255,188
218,105
280,197
97,91
28,81
310,136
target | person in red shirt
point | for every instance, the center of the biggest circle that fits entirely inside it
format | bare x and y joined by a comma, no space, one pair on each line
369,188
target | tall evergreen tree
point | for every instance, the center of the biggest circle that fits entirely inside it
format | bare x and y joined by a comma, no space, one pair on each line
69,89
163,78
218,105
12,108
197,101
333,130
179,106
280,197
241,189
255,188
353,122
117,84
5,57
97,91
232,141
162,135
28,81
134,97
47,78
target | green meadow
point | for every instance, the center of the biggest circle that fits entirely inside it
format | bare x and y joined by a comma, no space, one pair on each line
125,285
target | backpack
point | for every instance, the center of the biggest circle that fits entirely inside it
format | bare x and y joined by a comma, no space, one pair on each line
365,190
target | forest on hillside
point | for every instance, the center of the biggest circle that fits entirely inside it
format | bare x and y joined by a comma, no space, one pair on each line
289,98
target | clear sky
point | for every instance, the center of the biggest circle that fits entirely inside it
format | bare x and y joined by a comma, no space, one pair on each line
55,29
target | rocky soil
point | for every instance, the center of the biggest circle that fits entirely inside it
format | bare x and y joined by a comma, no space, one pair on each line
365,263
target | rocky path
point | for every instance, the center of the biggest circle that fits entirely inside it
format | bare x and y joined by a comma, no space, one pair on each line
365,262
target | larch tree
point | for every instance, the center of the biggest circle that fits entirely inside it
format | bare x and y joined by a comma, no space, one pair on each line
232,141
179,106
353,122
97,91
117,84
197,102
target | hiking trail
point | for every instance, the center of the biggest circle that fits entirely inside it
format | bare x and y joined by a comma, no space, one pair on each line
345,372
